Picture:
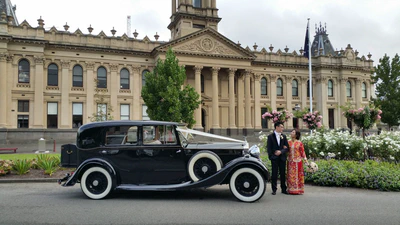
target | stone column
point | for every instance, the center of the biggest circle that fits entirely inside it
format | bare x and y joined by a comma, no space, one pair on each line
65,89
3,90
272,93
358,94
240,97
173,7
343,100
247,99
137,108
114,90
304,103
288,81
232,120
257,99
197,87
12,116
38,113
322,98
90,86
215,100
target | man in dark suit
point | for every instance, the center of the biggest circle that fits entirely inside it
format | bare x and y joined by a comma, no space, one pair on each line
277,146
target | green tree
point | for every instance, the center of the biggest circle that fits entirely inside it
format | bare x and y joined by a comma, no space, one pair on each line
386,79
164,95
103,108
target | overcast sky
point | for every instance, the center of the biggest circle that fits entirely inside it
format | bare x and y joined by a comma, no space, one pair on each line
368,25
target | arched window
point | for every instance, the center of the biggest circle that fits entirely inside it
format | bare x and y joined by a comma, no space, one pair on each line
77,76
364,90
330,88
263,86
124,79
295,88
144,78
202,83
197,3
308,89
348,89
52,75
101,77
23,71
279,87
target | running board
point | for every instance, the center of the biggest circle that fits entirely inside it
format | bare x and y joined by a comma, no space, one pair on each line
169,187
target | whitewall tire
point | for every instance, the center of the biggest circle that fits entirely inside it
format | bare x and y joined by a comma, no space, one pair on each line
247,185
203,164
96,183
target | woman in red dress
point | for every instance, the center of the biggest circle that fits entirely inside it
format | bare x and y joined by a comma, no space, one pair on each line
295,171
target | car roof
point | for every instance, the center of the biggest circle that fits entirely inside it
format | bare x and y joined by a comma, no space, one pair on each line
113,123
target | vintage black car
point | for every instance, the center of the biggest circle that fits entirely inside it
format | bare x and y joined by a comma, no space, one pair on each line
157,156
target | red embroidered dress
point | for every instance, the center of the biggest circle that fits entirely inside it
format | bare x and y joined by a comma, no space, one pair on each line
295,171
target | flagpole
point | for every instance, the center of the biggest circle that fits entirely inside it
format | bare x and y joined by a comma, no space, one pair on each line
309,65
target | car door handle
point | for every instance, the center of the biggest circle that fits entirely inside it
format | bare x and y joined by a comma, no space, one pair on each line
179,151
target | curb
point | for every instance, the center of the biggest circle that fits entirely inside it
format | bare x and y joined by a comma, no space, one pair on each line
37,180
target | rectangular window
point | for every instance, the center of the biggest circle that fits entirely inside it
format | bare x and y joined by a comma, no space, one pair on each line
23,121
124,112
102,112
23,106
264,122
52,115
77,114
145,116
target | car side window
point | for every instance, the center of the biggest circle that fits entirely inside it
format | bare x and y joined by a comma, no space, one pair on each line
168,135
151,135
121,135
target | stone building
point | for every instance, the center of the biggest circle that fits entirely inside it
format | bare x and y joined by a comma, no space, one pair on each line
47,76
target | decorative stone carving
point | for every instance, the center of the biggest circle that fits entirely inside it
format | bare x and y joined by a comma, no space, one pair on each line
3,57
89,65
197,69
39,60
114,67
136,69
257,76
343,80
273,77
206,45
304,79
65,64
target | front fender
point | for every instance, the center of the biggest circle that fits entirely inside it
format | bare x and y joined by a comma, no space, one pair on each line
248,160
87,164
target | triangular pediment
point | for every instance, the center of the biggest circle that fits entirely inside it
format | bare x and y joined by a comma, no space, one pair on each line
78,32
206,42
25,24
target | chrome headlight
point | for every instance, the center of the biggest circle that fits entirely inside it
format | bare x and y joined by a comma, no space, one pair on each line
254,151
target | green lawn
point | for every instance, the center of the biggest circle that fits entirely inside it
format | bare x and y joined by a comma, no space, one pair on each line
22,156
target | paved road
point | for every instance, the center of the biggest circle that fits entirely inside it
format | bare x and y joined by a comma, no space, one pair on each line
48,203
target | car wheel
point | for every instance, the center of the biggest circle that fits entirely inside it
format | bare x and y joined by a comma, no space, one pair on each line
247,185
203,164
96,183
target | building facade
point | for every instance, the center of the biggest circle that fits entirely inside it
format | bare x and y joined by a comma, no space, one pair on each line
47,77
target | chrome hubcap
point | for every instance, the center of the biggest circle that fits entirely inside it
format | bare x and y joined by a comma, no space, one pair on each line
246,184
204,169
95,183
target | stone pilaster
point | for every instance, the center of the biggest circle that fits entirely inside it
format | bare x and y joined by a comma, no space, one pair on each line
232,120
197,87
322,99
343,100
65,90
38,113
358,94
114,90
136,84
240,97
247,99
3,90
257,99
215,98
90,85
288,81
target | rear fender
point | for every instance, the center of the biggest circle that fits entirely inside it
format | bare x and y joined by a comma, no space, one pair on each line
86,165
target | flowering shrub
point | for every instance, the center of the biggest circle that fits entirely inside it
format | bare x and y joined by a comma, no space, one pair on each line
5,167
263,138
334,144
278,116
364,118
312,120
385,146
